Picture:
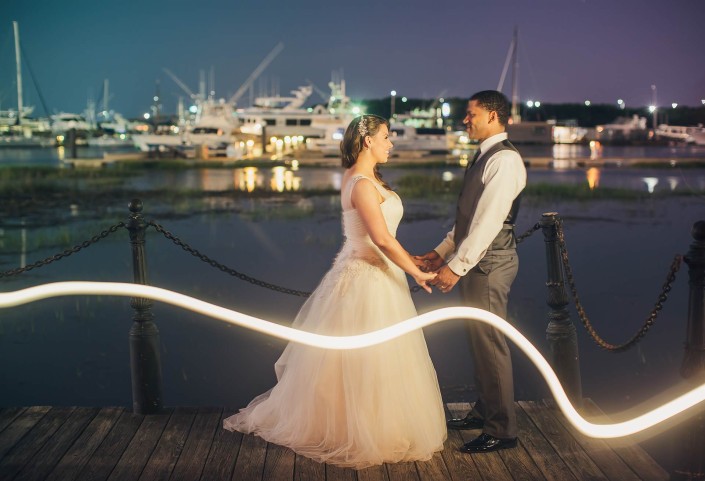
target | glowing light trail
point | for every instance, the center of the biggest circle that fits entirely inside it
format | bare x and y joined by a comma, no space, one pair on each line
614,430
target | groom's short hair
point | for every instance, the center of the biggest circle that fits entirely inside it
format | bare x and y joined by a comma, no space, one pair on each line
494,101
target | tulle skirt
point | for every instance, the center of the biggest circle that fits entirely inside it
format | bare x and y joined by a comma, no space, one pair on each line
356,408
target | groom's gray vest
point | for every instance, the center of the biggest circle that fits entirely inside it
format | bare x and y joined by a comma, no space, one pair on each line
470,196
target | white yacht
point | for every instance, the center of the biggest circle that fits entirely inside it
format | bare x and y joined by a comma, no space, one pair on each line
63,122
278,116
680,133
419,139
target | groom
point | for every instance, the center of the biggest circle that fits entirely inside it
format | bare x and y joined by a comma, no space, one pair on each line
480,254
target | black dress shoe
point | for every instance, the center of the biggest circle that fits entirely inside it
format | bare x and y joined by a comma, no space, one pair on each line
485,443
470,422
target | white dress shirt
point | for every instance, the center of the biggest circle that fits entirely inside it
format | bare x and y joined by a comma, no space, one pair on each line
504,178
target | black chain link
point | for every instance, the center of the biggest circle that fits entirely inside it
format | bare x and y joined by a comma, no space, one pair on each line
66,253
675,266
528,233
224,268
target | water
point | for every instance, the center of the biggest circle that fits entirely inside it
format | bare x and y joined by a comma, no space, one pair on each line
74,351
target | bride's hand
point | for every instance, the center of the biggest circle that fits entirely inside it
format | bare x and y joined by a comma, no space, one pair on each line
422,279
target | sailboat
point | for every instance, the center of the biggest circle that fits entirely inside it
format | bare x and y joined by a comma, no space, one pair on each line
533,132
17,128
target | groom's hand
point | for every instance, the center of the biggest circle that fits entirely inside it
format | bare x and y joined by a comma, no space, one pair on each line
445,279
429,262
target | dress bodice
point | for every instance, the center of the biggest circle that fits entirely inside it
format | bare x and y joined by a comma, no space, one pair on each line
353,228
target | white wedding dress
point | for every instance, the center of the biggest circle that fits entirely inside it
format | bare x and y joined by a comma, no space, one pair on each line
363,407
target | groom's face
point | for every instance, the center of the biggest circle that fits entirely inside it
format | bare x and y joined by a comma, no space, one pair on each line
478,121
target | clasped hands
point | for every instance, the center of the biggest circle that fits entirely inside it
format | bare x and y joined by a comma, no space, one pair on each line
445,278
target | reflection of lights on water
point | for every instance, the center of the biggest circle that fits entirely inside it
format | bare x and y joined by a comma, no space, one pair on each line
614,430
248,181
294,164
593,177
447,176
595,149
650,183
463,161
673,182
61,152
277,182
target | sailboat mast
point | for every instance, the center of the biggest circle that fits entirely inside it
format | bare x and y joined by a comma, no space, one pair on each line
19,72
106,96
516,117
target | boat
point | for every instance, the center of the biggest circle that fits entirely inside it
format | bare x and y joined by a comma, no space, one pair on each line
17,128
317,126
696,135
623,130
680,133
407,138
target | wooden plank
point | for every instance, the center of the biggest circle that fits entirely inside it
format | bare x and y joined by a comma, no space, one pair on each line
18,456
223,451
107,455
599,451
7,415
190,464
565,445
75,459
433,469
402,472
20,426
46,459
306,469
519,463
334,473
542,454
634,456
461,466
168,449
373,473
278,463
250,459
136,455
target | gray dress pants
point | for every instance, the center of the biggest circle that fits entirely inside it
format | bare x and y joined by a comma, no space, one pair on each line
487,286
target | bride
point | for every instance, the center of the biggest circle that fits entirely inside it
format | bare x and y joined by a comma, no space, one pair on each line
375,405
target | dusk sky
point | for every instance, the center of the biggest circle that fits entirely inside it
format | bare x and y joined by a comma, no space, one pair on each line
569,50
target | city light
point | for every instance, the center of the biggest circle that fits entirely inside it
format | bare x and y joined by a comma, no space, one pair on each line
652,108
587,103
530,103
146,116
445,109
624,428
393,97
621,104
674,105
537,104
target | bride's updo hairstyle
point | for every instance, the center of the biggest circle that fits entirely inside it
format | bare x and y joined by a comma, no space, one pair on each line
354,139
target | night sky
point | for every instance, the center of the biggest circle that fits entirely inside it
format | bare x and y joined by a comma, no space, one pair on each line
569,50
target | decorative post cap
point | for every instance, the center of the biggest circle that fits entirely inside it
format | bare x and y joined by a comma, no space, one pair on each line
136,206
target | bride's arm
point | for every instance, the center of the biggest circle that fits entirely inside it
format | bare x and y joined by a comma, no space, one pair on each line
366,199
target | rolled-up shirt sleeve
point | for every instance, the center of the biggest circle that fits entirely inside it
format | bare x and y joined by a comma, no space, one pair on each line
504,178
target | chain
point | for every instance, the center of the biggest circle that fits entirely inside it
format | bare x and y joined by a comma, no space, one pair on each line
528,233
65,253
675,266
224,268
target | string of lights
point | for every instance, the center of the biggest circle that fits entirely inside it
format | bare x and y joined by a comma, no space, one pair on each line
613,430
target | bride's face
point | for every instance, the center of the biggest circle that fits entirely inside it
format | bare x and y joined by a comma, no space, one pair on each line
380,145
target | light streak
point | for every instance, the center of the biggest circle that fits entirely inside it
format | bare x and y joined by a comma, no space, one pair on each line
613,430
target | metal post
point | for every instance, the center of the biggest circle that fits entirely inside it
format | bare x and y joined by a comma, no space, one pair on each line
145,362
691,464
560,332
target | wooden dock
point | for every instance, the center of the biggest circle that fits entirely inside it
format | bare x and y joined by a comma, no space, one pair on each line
80,443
